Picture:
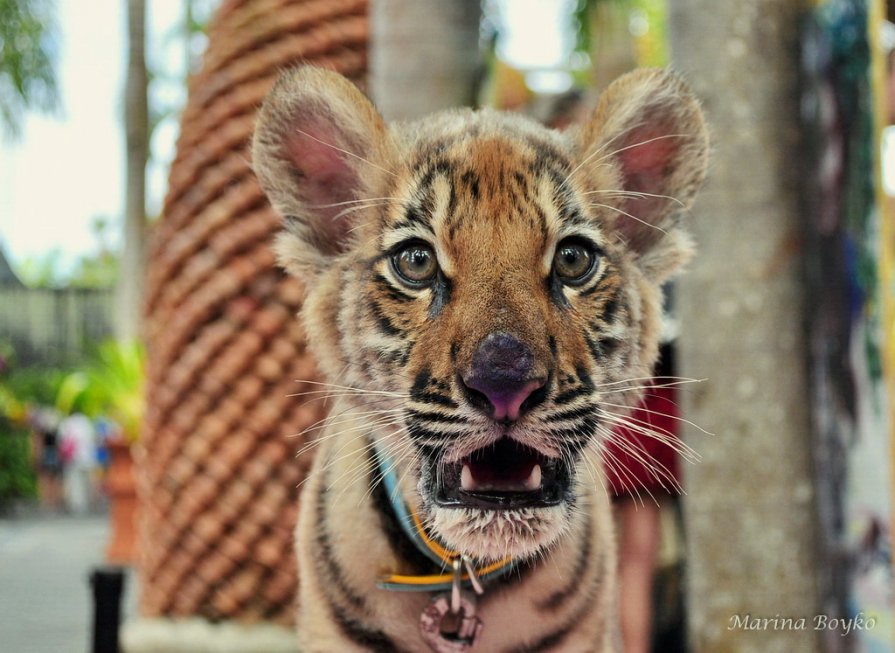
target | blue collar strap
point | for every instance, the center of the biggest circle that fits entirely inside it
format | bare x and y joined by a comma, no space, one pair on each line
457,569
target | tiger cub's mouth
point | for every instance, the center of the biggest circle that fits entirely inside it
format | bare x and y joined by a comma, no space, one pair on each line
505,475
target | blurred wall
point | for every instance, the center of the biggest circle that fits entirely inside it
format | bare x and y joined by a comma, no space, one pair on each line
53,326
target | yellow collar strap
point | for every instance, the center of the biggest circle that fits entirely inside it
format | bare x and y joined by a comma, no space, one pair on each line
447,559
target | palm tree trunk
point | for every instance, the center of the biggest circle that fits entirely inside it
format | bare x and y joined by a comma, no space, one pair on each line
424,55
750,517
136,126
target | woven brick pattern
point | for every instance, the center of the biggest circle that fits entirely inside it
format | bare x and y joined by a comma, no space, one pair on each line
218,475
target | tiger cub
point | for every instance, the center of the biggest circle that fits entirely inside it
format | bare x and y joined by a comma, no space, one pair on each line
483,296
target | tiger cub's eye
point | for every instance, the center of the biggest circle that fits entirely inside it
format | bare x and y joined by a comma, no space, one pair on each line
415,264
574,261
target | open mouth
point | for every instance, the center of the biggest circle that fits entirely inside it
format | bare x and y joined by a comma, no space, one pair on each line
504,475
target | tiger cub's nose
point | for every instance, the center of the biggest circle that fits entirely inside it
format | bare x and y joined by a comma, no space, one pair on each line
503,381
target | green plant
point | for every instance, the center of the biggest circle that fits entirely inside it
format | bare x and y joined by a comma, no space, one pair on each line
21,390
17,478
27,50
111,385
25,387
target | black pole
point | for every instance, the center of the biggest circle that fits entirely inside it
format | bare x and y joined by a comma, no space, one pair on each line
108,586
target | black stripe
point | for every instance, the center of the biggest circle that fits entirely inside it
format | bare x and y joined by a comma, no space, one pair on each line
441,295
414,215
437,167
384,322
370,639
556,600
444,385
540,221
570,395
572,216
610,308
390,290
419,391
421,381
452,202
434,398
607,283
584,377
397,357
400,544
546,154
555,638
331,565
596,351
417,432
554,288
471,179
427,205
429,416
427,450
576,437
609,345
571,413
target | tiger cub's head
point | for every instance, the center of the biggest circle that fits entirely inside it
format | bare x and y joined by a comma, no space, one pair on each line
492,283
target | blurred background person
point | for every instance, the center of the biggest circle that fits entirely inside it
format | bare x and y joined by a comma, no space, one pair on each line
78,446
47,458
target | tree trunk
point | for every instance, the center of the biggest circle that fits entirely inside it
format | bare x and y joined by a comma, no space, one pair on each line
424,55
129,293
749,509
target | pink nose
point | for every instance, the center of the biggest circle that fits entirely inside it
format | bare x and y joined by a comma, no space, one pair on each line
506,402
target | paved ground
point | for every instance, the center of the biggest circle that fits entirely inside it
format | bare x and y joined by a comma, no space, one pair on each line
46,603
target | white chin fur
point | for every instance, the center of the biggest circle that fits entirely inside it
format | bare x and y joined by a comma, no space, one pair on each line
491,535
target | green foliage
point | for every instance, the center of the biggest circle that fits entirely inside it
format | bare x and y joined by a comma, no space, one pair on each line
96,270
647,25
41,271
21,389
111,385
32,386
27,77
17,477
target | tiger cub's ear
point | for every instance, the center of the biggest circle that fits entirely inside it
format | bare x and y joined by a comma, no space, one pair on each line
648,128
319,146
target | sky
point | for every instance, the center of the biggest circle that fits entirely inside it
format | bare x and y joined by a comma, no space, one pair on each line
67,170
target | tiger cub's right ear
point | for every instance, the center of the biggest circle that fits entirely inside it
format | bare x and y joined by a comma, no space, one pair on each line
319,145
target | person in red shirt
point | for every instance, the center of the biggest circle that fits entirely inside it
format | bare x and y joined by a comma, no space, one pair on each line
641,464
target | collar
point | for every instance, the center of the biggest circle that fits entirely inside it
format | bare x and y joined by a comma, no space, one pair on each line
463,573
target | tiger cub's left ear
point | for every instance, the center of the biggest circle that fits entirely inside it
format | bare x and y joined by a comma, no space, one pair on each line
648,129
320,149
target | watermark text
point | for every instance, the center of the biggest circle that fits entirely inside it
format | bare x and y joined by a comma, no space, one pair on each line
843,625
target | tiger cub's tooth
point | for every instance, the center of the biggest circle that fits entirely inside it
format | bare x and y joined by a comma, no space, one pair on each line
533,482
466,481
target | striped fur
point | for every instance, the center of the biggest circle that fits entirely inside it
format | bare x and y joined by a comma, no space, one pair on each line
492,195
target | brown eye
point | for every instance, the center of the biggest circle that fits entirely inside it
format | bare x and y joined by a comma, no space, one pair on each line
415,264
574,261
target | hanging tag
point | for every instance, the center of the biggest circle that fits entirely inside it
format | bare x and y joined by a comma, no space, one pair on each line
473,578
449,631
456,586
